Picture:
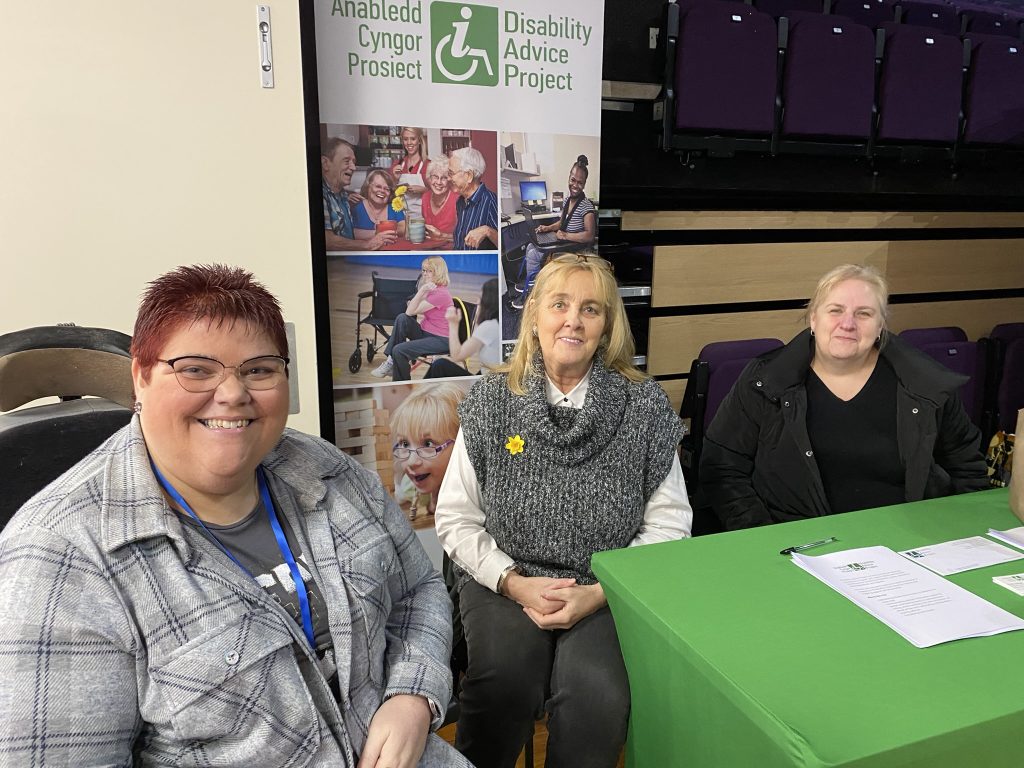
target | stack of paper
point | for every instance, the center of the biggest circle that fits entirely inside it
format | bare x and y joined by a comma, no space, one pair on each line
1014,536
962,555
924,608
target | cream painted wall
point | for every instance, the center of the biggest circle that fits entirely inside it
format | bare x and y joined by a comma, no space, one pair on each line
135,136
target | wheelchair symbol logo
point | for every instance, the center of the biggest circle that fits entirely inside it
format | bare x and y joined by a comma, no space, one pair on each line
465,43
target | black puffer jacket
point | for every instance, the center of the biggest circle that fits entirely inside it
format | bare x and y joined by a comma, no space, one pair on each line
757,466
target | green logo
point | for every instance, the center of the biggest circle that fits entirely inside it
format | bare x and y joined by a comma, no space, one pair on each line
464,42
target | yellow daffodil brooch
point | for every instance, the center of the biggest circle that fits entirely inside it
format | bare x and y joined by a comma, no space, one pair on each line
515,445
398,204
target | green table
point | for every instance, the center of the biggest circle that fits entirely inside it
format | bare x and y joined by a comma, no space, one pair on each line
738,658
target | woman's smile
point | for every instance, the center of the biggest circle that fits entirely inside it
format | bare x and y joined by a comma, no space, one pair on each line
212,441
223,425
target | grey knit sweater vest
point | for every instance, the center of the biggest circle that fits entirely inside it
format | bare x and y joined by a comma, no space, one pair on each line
583,479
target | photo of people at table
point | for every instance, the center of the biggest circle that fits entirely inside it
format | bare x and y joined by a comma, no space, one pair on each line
404,433
400,317
408,188
549,185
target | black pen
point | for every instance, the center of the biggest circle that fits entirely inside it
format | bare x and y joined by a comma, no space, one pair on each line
802,547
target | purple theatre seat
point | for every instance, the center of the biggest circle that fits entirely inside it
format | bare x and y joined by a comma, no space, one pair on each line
1007,332
964,357
726,360
995,91
778,8
829,82
1015,16
935,15
712,375
717,352
919,96
719,385
1010,394
725,68
920,337
870,13
985,19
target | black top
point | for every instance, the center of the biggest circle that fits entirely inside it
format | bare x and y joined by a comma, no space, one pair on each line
855,442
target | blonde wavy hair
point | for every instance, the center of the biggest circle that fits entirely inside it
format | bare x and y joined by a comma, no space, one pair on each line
430,410
440,268
616,348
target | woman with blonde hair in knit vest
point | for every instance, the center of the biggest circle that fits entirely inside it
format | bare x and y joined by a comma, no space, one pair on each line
566,451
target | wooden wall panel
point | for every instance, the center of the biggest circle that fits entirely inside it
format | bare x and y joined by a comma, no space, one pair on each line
722,274
726,274
704,220
676,341
977,318
922,266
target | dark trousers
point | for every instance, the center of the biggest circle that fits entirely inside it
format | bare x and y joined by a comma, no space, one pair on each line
517,671
408,341
443,368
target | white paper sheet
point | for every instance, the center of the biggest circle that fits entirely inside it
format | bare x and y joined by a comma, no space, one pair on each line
1014,582
961,555
922,607
1012,536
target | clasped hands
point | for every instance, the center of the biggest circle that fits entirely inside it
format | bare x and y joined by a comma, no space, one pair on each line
554,603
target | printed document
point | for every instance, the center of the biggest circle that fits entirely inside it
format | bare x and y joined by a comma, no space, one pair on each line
1013,536
923,607
1014,582
962,555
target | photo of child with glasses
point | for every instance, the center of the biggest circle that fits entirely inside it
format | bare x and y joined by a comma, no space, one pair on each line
423,430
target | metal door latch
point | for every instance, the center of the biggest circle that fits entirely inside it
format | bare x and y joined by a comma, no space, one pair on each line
266,53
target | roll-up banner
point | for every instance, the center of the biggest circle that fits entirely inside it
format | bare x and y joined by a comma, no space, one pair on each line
460,148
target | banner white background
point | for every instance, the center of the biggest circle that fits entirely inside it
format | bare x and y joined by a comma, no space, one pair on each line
528,97
348,94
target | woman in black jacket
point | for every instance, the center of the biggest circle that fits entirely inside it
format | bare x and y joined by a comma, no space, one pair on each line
844,417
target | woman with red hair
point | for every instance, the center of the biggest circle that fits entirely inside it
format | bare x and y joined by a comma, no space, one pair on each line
210,588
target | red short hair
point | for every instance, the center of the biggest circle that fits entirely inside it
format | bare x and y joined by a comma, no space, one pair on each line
214,292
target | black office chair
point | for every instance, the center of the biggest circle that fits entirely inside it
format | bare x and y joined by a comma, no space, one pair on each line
38,444
546,242
460,656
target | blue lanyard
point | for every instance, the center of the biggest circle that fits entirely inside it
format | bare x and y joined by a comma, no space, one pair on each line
282,543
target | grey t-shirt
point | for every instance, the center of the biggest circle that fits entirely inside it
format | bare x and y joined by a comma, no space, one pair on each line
252,541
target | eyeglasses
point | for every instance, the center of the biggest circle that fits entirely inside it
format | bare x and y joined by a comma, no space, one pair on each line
204,374
402,452
583,258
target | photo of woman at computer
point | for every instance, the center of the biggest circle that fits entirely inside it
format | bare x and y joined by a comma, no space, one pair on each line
545,209
576,228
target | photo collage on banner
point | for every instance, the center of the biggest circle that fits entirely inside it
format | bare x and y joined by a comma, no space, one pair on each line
459,151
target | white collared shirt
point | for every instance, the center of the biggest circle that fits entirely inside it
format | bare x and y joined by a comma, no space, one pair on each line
459,519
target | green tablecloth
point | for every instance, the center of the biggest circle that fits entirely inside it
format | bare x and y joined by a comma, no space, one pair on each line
738,658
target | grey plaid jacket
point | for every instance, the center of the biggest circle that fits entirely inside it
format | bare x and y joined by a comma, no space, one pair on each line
128,639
